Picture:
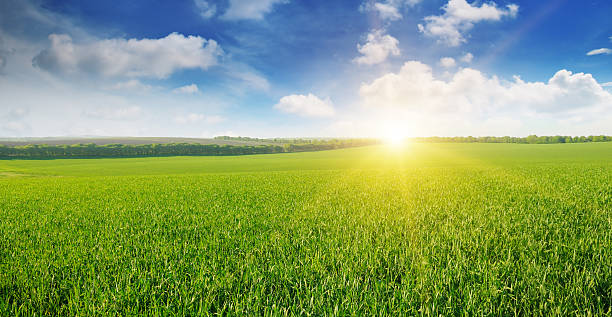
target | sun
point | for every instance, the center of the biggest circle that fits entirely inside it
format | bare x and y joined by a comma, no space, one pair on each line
394,140
394,135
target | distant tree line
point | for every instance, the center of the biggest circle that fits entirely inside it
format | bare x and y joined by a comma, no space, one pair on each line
532,139
170,149
297,145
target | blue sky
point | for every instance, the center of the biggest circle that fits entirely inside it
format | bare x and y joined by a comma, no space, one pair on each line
286,68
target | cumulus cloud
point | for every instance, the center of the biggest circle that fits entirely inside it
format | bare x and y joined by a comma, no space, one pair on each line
459,17
377,48
415,87
387,10
157,58
250,9
600,51
467,58
306,106
188,89
192,118
608,84
108,113
447,62
205,9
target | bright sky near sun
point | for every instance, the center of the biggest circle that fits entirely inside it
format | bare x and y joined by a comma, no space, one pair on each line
286,68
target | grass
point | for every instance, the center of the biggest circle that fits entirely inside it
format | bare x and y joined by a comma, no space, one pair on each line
435,229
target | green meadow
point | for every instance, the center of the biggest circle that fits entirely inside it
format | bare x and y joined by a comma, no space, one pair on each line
425,229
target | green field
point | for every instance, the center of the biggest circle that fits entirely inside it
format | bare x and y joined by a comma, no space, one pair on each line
433,229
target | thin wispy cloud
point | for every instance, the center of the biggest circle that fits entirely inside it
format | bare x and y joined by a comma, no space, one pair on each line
448,62
250,9
600,51
131,85
195,118
205,8
187,89
107,113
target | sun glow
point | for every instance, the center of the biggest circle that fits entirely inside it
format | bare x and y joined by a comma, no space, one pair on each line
394,140
394,135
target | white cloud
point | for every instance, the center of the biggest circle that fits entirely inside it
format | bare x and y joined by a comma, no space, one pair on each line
459,17
188,89
447,62
599,51
377,48
132,85
306,106
197,118
108,113
250,9
156,58
608,84
415,88
205,9
467,58
387,10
